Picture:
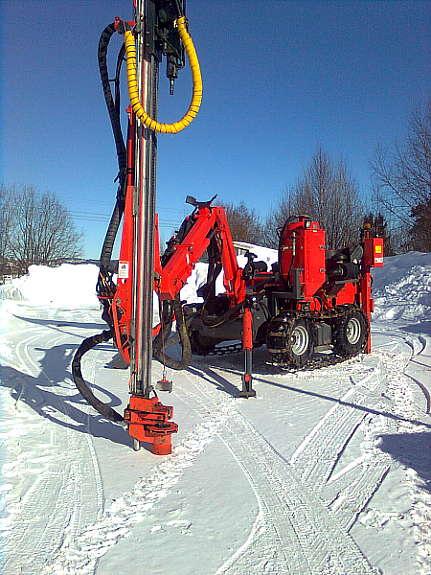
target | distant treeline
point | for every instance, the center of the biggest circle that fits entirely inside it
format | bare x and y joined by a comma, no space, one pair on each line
399,197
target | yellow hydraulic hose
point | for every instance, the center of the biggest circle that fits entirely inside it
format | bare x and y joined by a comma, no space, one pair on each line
129,43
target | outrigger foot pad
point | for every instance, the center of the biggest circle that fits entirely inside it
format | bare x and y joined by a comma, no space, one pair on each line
164,385
148,421
247,393
247,389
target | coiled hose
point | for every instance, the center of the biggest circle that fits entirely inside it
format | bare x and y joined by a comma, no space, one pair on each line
132,83
113,107
104,282
103,408
105,285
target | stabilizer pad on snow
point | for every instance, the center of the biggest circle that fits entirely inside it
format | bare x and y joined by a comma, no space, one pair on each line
148,421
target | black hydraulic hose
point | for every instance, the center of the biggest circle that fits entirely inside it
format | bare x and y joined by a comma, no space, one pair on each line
113,107
105,283
161,339
120,60
104,409
111,234
222,318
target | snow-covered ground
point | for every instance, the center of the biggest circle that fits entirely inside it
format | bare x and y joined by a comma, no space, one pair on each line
326,472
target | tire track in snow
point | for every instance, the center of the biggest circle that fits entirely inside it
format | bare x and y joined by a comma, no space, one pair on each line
38,500
265,555
416,351
19,349
81,556
348,494
299,535
35,509
348,500
352,499
265,549
320,452
399,388
61,500
306,537
16,423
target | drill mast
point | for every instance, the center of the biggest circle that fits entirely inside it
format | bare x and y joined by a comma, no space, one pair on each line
144,203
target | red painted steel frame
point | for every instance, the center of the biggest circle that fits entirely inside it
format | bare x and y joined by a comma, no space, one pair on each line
373,257
179,267
171,278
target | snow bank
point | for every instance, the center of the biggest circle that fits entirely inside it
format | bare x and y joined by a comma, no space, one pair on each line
195,281
199,274
402,287
263,254
68,285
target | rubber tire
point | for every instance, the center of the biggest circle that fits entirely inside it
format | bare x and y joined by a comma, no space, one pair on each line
301,360
342,346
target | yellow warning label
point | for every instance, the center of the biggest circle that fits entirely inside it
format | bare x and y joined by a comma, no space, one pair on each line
378,250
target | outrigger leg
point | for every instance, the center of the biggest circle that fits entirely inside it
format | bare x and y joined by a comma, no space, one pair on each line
247,345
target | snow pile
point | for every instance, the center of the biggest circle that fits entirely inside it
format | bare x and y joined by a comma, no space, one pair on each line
74,285
67,285
402,288
199,275
266,255
196,280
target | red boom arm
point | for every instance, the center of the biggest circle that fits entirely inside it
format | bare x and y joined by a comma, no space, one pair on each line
203,224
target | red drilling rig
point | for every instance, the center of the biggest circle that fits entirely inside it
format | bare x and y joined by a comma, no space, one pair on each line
313,308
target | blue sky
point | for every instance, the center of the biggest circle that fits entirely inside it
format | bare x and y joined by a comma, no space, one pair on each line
280,79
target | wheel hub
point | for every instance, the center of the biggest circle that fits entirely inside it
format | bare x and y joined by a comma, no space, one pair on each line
299,340
353,330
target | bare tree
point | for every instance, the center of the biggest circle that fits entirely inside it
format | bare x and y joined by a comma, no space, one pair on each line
244,223
326,192
41,230
420,232
402,178
5,229
274,223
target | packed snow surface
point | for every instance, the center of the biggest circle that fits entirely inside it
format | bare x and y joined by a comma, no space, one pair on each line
325,472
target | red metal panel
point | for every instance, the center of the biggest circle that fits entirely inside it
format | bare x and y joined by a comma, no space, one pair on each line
314,259
302,246
373,252
348,294
190,250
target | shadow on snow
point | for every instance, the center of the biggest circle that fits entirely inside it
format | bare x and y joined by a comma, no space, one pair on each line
44,395
207,372
60,323
411,450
